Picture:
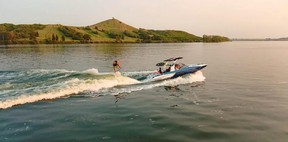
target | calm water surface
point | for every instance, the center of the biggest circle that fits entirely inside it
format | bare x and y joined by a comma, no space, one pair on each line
69,93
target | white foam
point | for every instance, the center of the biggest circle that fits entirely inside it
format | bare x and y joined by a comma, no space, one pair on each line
139,72
195,77
45,71
75,86
92,71
5,86
191,78
72,86
123,80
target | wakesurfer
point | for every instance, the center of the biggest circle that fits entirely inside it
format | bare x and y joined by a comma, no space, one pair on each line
116,65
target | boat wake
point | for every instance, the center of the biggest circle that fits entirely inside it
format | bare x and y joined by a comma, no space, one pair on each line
21,87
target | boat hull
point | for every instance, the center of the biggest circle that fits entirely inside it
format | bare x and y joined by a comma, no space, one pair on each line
177,73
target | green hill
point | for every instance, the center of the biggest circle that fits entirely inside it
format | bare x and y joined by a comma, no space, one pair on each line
173,36
108,31
113,25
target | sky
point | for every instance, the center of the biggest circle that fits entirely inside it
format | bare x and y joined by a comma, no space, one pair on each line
231,18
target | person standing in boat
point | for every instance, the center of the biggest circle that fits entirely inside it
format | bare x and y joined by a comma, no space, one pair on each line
160,70
116,65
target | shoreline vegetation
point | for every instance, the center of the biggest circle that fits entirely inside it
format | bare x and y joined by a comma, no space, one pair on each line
109,31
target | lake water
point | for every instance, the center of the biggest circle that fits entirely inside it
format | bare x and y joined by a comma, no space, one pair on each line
69,93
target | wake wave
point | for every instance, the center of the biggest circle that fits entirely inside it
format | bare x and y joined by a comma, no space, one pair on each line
21,87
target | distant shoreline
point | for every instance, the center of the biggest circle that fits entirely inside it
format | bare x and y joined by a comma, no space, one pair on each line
108,31
266,39
75,44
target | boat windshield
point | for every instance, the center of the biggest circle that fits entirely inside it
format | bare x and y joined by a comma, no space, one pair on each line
179,66
182,65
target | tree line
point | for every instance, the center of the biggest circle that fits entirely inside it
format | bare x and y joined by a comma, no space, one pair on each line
15,34
214,38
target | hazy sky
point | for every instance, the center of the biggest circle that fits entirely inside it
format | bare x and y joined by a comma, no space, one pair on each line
232,18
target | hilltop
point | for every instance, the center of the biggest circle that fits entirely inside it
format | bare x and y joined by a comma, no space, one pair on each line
108,31
113,25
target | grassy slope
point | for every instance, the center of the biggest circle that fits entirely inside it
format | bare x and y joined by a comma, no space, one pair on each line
47,32
176,36
102,31
113,25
